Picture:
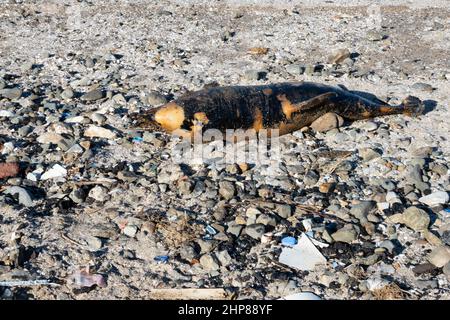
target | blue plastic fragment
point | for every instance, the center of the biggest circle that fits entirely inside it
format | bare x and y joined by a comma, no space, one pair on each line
447,210
138,139
289,241
211,230
163,259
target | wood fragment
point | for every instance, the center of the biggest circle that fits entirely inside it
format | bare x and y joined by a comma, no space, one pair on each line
189,294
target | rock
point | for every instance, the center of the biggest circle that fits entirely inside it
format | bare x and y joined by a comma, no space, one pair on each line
98,118
440,256
295,69
234,228
369,126
99,132
310,69
255,230
77,195
339,56
311,178
67,94
6,114
341,137
416,218
326,187
57,171
169,173
156,99
423,268
8,170
224,258
130,230
49,137
266,220
375,35
23,195
362,209
226,189
283,210
11,93
327,122
347,234
208,262
368,154
420,86
435,198
98,193
253,75
93,95
446,271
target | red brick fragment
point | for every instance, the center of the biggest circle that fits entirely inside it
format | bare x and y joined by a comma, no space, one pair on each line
8,170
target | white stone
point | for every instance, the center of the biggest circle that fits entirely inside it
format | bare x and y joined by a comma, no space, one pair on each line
99,132
435,198
56,171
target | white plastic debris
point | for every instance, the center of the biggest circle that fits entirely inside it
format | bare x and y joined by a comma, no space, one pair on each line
303,256
301,296
56,171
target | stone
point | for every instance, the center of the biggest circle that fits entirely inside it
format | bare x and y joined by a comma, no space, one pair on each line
156,99
208,262
362,209
311,178
266,220
226,189
130,230
339,56
435,198
253,75
11,93
57,171
24,197
420,86
98,193
67,94
327,122
347,234
224,258
416,218
9,169
49,137
295,69
368,154
440,256
234,228
446,271
98,118
283,210
99,132
93,95
255,230
369,126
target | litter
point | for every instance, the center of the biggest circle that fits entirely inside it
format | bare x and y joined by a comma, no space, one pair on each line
27,283
301,296
289,241
211,230
189,294
303,256
83,278
138,139
162,259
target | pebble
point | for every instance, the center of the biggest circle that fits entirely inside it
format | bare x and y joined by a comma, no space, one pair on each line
369,126
130,230
99,132
416,218
98,193
362,209
156,99
327,122
339,56
255,230
57,171
93,95
208,262
420,86
347,234
440,256
375,35
310,178
253,75
224,258
24,197
435,198
11,93
295,69
446,271
226,189
49,137
266,220
368,154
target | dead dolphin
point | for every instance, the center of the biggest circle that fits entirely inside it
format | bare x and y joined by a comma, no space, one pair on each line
283,106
